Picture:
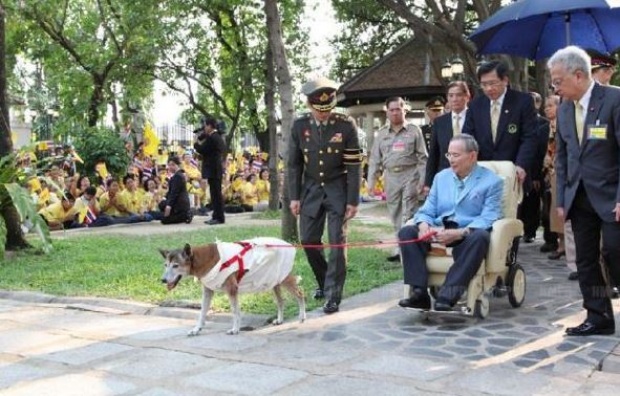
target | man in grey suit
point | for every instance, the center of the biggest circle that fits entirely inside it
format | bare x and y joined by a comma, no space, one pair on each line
588,174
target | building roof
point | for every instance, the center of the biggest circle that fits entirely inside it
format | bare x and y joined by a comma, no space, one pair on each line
403,72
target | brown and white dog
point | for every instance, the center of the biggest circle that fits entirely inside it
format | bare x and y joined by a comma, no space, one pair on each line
252,265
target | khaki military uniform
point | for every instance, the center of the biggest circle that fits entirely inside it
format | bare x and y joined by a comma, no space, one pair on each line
402,155
324,175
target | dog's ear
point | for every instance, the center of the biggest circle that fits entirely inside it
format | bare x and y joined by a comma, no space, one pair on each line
187,250
163,252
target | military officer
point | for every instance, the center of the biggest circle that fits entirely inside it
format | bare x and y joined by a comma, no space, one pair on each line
433,109
603,67
399,150
324,183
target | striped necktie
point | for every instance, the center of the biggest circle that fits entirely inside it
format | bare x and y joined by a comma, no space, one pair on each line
494,119
456,125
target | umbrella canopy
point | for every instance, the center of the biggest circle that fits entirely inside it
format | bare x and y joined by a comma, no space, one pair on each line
535,29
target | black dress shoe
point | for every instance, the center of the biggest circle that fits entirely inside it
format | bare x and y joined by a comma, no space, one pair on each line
418,302
548,247
319,294
615,292
213,222
528,239
394,258
573,276
442,305
589,328
330,307
189,218
556,255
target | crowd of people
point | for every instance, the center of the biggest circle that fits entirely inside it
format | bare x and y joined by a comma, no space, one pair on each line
169,187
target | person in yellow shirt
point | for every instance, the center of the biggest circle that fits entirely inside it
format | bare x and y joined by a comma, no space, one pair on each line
89,211
263,188
133,199
113,204
190,168
60,215
249,197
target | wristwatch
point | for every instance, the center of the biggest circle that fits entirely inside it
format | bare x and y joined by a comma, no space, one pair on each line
466,232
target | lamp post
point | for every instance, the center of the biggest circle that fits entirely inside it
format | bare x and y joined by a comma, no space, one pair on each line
453,70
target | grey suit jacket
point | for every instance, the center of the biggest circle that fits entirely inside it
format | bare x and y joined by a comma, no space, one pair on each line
596,162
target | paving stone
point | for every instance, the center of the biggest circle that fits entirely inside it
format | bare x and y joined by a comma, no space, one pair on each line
524,362
467,342
414,329
338,385
498,326
442,334
539,354
428,342
245,379
88,383
407,367
478,333
331,336
429,352
538,330
158,363
12,374
87,353
508,383
506,342
462,351
492,351
566,346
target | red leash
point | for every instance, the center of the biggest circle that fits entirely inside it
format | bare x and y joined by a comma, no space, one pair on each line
356,244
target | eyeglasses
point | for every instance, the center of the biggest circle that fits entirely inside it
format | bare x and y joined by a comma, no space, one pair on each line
489,84
453,155
557,82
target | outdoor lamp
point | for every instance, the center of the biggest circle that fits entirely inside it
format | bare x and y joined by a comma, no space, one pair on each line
457,66
446,71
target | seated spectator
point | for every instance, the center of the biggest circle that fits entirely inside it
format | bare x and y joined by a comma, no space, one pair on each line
78,185
151,199
462,205
88,210
249,193
190,166
176,206
263,187
113,205
60,215
233,195
133,197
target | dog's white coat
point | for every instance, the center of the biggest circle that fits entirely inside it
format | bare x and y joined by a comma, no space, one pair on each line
265,267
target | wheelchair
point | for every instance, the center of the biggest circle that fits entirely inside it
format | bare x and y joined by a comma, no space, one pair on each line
499,274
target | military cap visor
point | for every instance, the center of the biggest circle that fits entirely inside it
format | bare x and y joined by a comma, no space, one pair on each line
600,62
435,104
321,93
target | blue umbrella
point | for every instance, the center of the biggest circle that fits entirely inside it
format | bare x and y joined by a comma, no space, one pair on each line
535,29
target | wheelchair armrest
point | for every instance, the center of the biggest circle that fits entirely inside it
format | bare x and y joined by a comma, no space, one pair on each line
503,233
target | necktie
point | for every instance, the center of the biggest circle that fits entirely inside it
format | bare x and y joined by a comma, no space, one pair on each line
456,126
579,121
494,118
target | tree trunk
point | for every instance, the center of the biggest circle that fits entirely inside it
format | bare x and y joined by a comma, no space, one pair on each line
270,103
14,237
95,101
285,88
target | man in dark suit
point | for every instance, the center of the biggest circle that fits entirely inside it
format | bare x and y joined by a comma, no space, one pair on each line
176,207
324,163
444,128
529,210
588,175
503,120
211,147
433,109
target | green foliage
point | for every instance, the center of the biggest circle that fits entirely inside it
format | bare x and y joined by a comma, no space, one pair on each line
11,193
125,267
102,144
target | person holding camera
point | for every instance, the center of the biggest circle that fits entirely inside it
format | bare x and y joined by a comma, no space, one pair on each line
210,145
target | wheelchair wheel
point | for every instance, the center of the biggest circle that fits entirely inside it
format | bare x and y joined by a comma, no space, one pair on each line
481,309
515,283
511,257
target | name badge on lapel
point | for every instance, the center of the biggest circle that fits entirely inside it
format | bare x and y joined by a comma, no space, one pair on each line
598,132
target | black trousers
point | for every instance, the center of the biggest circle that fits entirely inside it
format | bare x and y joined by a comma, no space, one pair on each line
529,213
330,274
551,238
468,256
217,201
588,228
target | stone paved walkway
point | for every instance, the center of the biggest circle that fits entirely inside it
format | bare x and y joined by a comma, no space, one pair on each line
103,347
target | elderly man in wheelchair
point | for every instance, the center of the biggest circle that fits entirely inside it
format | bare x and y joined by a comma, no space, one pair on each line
464,204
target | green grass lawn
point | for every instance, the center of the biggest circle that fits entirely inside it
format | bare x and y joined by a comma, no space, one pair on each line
122,267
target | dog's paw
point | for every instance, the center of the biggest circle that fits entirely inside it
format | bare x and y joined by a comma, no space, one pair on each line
302,317
277,322
194,332
233,332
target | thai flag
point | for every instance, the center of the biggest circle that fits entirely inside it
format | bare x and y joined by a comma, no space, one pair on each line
193,162
257,165
90,217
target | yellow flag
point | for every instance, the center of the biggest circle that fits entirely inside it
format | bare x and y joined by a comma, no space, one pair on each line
151,141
